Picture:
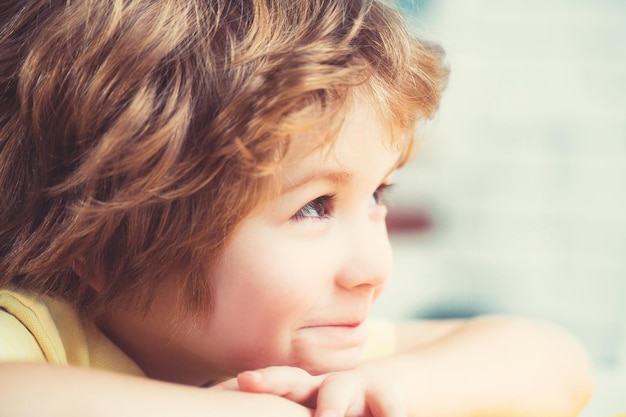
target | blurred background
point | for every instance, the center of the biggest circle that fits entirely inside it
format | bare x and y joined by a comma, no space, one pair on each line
517,200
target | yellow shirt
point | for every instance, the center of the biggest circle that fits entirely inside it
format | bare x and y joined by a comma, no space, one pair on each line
43,329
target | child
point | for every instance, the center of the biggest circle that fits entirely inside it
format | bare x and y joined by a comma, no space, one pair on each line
193,198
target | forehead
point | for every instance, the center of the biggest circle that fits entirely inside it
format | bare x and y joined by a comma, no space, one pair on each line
364,136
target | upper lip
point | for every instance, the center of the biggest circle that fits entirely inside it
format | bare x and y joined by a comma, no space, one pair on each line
352,314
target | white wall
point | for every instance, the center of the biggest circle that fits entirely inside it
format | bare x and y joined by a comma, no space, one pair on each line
524,175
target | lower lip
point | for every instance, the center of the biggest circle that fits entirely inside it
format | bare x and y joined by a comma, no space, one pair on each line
339,335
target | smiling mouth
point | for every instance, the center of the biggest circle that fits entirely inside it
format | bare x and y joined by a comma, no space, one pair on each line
336,335
349,325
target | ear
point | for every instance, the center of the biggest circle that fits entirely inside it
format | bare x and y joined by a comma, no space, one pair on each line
93,276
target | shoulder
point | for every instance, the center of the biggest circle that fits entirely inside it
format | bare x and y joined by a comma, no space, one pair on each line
53,324
39,328
17,341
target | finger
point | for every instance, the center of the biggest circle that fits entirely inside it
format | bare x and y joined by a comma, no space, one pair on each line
230,384
292,383
339,397
385,403
251,381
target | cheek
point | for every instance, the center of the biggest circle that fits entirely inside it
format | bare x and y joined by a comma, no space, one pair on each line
277,277
259,303
255,330
258,293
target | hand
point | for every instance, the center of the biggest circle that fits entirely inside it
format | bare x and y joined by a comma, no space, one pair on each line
337,394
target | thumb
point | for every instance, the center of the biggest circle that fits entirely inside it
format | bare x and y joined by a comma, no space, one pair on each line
292,383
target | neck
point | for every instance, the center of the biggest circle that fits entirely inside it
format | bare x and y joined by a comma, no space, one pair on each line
160,358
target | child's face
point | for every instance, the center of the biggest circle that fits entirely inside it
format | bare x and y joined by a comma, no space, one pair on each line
299,276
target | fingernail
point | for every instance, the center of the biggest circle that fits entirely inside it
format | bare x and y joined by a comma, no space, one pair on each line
254,375
328,413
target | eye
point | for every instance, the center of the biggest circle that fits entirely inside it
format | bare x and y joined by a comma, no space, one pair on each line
320,208
379,196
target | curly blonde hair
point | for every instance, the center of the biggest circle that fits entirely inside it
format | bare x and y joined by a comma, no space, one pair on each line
135,135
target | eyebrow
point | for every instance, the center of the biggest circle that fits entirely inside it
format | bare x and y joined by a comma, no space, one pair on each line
337,178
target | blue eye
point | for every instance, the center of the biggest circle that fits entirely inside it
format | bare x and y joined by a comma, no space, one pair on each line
320,208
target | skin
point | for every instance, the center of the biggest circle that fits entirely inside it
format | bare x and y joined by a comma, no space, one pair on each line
306,266
464,370
292,291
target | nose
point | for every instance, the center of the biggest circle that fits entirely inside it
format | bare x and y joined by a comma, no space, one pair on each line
367,257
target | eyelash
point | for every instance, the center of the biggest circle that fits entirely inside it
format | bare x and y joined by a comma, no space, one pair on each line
323,206
382,193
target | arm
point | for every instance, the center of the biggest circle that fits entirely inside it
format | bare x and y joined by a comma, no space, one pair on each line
43,390
491,366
